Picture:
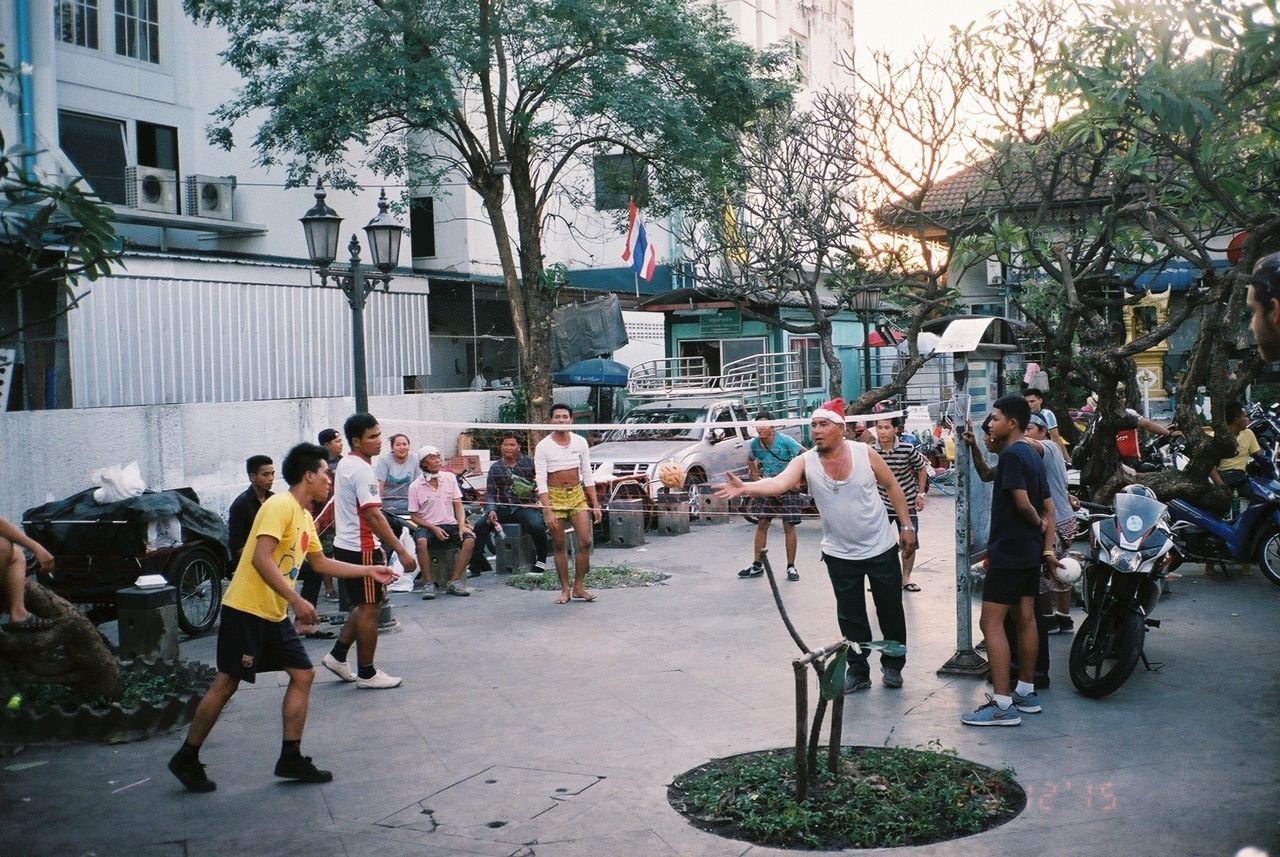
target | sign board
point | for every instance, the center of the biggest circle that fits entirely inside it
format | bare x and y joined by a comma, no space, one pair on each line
726,322
962,335
1146,379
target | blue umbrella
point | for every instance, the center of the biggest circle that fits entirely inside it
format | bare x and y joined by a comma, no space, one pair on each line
595,372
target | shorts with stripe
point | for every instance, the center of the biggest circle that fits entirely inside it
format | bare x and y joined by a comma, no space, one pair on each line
249,644
361,590
789,506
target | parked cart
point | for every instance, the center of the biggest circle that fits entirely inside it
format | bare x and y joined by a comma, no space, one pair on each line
100,548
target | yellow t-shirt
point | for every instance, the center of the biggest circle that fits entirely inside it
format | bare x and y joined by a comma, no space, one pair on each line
283,519
1246,445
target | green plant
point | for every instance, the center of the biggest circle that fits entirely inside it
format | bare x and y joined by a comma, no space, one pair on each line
139,687
881,798
598,577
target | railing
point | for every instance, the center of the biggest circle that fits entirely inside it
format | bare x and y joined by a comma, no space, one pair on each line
772,380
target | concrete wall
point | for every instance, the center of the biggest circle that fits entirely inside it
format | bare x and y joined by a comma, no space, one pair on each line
51,454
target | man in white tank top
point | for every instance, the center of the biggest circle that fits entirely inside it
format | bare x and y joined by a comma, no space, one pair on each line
857,539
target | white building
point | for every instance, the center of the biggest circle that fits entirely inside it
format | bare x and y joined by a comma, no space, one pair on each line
215,312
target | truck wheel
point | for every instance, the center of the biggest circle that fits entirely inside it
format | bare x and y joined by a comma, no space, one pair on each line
692,480
197,575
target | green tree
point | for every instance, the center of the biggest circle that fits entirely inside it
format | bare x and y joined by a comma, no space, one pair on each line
428,88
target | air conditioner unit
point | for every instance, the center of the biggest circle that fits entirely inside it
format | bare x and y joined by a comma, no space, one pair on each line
210,196
151,189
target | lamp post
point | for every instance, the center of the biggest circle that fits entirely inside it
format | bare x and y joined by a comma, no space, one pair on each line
865,302
321,225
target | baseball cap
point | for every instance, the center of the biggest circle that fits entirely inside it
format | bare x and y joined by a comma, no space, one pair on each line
327,435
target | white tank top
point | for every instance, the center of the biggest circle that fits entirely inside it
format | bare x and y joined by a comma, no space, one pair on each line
855,524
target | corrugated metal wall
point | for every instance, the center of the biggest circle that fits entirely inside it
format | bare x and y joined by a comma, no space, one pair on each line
148,341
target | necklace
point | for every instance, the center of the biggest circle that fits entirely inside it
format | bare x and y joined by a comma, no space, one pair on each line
833,485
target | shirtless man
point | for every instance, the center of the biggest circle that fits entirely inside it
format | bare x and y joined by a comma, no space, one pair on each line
567,491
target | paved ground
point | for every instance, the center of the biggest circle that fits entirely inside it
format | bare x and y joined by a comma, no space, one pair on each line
526,728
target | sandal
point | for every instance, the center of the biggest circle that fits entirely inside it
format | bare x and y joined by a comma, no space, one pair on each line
319,635
30,625
910,587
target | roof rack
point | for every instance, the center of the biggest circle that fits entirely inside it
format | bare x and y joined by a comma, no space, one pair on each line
769,381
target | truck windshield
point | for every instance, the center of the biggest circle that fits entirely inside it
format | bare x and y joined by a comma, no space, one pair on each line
659,417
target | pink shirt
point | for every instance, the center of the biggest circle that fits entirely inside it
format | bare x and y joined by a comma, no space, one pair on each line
435,505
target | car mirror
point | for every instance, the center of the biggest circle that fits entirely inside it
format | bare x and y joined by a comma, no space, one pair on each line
716,435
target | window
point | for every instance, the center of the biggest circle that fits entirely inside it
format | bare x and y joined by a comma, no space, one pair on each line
96,147
157,146
800,55
422,227
138,29
618,179
76,22
810,360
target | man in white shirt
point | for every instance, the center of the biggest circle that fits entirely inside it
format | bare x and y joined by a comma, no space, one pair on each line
857,541
359,525
562,471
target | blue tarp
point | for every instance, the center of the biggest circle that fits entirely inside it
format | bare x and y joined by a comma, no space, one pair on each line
1177,274
596,372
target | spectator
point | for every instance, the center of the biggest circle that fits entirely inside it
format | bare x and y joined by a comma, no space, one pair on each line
1035,398
262,475
1264,303
911,472
767,456
1231,470
331,440
13,576
510,498
1021,523
1055,597
395,471
435,508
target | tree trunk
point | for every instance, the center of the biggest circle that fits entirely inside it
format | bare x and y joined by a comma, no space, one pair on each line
835,369
71,653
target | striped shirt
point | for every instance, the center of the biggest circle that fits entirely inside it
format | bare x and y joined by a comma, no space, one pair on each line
905,461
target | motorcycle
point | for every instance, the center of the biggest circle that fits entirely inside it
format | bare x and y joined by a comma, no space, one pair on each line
1265,425
1131,552
1253,535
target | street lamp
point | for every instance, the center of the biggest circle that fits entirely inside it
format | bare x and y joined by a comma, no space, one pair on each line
321,225
865,302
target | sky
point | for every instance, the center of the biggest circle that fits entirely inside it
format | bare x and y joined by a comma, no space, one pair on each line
900,25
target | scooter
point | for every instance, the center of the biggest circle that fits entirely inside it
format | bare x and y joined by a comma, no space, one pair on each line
1254,534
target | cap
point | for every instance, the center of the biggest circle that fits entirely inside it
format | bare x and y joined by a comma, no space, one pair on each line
1039,420
327,435
427,450
832,410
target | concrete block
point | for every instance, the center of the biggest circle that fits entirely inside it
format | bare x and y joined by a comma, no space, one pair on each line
148,621
626,524
672,514
443,559
513,550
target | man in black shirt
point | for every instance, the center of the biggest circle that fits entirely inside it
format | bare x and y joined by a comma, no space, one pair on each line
262,475
1021,540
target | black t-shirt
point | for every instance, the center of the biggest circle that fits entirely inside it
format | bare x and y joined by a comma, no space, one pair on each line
1014,542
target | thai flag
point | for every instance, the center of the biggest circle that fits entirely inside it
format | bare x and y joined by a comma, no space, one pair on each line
639,252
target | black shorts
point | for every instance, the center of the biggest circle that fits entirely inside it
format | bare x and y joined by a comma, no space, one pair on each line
1010,585
249,644
915,524
452,536
789,506
361,590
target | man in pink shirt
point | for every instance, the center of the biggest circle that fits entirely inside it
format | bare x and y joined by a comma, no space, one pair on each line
435,508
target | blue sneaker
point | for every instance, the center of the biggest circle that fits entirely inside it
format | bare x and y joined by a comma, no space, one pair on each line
1029,704
991,714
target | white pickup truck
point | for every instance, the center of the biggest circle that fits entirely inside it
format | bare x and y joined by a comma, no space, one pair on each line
706,454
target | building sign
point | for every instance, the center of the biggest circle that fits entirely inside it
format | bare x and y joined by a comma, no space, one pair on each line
725,322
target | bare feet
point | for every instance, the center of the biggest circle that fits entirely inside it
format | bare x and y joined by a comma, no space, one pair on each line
584,596
564,598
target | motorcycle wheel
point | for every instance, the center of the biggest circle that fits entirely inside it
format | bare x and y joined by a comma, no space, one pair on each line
1105,650
1269,557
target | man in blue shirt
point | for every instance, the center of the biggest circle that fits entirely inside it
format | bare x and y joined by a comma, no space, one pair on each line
768,456
1021,541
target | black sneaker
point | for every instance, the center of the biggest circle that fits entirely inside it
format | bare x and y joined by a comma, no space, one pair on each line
1051,623
479,565
752,570
300,768
190,772
792,574
1066,625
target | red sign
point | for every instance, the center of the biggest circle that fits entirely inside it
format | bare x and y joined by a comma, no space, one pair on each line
1236,247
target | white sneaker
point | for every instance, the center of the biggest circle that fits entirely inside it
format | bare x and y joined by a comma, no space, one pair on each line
538,568
379,681
457,587
337,667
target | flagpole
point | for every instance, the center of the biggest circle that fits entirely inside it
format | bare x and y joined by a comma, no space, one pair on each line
636,278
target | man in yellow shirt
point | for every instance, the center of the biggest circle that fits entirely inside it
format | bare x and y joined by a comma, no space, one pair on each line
255,634
1231,470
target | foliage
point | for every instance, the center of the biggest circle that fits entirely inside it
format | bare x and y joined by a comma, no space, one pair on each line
598,577
139,687
498,94
40,215
882,798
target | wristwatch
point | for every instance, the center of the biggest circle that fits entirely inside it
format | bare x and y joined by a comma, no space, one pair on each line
907,529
